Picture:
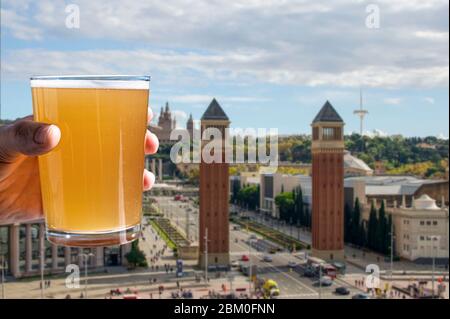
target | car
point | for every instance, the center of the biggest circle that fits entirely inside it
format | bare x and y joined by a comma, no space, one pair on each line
325,282
235,263
309,273
343,291
253,236
361,296
267,259
292,264
245,258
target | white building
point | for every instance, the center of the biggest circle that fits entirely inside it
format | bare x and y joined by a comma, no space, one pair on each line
421,231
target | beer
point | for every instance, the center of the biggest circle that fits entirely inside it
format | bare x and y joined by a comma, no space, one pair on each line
92,181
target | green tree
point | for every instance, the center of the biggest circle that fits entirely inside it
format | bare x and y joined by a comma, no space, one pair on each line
356,224
285,204
136,257
372,228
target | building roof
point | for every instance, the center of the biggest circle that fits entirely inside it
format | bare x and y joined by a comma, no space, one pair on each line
425,202
328,114
351,161
214,112
391,185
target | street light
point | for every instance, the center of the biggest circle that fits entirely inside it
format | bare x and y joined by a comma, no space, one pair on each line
86,258
3,276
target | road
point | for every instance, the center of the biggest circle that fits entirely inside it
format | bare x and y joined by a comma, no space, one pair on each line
291,284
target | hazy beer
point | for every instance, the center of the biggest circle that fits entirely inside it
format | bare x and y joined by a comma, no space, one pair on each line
92,181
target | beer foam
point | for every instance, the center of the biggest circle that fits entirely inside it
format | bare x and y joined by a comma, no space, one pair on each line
92,82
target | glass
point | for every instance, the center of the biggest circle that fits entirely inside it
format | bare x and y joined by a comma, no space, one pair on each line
91,182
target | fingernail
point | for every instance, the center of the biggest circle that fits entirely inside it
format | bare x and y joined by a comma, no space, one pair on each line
40,134
152,178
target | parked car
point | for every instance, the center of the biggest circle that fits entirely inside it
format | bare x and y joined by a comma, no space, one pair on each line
245,258
343,291
292,264
235,263
267,259
361,296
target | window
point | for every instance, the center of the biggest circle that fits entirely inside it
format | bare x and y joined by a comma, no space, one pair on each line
422,223
428,223
315,133
435,223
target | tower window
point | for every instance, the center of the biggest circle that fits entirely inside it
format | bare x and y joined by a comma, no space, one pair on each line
315,133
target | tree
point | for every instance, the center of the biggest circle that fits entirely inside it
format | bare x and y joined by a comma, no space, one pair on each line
356,224
285,203
372,228
381,230
136,257
299,207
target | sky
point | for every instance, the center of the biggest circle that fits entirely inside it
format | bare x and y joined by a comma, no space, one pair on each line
270,64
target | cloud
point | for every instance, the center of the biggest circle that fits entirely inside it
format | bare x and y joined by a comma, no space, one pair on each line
280,42
429,100
206,98
392,100
376,133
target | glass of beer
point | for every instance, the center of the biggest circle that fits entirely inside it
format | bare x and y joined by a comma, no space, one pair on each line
91,182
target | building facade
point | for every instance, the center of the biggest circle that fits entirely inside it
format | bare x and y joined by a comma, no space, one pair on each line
421,230
328,185
214,195
271,185
22,245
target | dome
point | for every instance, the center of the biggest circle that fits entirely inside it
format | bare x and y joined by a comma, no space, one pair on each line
425,202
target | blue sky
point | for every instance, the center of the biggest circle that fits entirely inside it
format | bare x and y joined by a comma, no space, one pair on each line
269,63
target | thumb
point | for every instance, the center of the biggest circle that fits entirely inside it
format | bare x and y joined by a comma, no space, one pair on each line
28,138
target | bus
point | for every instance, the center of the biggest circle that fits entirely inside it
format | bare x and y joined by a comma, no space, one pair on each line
316,264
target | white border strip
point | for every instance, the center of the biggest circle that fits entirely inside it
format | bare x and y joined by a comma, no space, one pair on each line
91,84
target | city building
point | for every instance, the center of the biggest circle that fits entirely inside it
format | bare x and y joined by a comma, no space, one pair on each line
394,189
214,195
167,123
23,244
328,184
421,230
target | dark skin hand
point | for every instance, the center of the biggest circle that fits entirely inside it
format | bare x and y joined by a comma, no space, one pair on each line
20,144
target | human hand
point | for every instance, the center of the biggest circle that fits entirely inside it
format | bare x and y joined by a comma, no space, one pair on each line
20,144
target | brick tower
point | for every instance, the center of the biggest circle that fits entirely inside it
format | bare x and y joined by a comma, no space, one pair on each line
327,183
214,193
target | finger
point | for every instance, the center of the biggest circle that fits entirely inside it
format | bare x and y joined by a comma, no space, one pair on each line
149,180
28,138
149,115
151,143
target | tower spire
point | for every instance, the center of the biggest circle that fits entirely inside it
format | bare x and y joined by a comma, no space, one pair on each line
361,113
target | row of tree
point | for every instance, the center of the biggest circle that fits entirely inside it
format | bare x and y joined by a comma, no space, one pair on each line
292,208
374,234
247,196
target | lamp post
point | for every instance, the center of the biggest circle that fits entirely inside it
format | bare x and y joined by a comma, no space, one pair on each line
320,280
86,259
3,276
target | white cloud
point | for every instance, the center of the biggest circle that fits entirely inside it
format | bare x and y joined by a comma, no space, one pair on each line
283,42
376,133
429,100
393,100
